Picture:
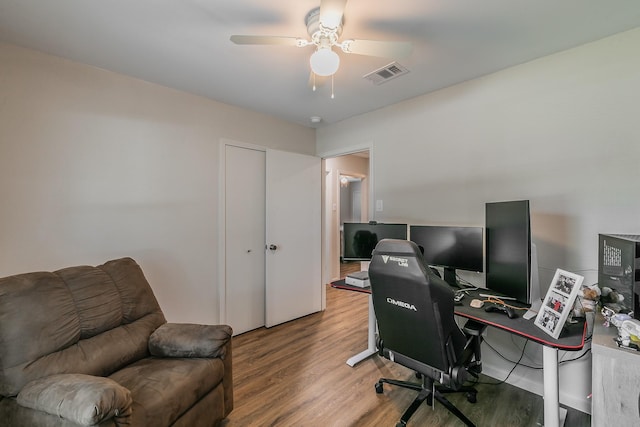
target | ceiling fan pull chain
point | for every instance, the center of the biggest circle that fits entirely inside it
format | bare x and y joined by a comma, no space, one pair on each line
332,94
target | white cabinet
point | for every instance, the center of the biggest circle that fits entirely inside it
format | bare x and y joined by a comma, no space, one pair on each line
615,381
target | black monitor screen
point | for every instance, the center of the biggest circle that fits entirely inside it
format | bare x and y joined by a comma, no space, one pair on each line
508,249
450,247
361,238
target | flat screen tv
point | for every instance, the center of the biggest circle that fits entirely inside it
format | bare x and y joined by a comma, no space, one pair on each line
453,248
360,238
508,250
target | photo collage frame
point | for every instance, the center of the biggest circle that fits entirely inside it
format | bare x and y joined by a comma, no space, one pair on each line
558,302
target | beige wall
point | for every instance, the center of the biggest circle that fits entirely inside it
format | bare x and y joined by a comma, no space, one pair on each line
95,165
562,131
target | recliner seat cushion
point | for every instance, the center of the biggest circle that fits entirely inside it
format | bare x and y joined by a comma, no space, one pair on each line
163,389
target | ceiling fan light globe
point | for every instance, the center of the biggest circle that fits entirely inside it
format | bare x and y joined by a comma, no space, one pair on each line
324,62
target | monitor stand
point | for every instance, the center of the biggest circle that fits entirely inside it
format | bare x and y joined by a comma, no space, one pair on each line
533,310
535,296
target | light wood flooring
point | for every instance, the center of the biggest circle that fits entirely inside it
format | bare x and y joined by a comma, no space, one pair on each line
295,375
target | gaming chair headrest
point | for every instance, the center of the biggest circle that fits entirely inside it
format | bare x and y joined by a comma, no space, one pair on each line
396,259
397,247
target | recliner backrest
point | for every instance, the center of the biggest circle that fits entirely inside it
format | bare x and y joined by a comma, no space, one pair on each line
413,307
87,320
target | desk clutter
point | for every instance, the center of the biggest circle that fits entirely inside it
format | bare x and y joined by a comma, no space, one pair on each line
476,303
558,303
490,303
501,308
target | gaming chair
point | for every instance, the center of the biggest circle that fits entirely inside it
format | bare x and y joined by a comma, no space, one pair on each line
415,313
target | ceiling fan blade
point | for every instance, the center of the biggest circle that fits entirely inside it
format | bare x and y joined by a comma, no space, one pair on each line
331,12
273,40
378,48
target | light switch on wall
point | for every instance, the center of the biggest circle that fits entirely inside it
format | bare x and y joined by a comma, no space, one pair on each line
378,205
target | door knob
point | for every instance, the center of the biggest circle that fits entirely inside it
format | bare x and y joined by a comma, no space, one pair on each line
272,247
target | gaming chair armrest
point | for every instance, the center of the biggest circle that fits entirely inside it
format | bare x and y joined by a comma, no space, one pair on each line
471,356
473,328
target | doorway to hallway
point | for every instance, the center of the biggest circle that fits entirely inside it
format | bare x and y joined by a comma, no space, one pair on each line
346,199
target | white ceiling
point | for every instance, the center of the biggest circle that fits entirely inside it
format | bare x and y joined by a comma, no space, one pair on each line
184,44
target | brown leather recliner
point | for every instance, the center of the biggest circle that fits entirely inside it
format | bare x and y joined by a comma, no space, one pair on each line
91,346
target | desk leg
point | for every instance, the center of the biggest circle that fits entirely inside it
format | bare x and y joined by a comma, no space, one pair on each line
554,416
371,338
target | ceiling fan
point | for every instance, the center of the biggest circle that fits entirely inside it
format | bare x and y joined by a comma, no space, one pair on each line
324,26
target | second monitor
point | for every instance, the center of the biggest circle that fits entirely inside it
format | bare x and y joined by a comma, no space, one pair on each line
361,238
453,248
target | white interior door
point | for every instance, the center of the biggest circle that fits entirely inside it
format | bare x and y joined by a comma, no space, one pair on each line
293,235
245,171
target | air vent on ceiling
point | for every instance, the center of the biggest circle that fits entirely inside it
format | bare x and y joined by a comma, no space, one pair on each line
386,73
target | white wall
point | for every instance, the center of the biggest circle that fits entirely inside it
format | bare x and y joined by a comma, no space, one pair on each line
562,131
95,165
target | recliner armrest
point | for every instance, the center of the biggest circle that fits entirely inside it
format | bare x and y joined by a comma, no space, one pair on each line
190,340
83,399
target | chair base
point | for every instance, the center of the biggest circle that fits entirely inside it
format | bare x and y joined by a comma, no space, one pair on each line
426,394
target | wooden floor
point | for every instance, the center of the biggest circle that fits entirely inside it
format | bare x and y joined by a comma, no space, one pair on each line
295,375
349,267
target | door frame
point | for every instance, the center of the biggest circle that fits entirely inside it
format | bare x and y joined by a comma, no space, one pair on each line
326,246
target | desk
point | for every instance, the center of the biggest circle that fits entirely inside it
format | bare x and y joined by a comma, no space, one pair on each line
571,339
371,332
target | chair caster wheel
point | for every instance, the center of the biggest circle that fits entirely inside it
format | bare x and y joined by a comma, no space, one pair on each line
379,388
401,424
471,397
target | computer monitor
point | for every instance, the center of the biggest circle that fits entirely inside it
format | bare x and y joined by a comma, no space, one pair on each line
360,238
509,251
453,248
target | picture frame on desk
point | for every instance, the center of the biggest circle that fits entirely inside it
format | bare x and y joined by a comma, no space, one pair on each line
558,303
